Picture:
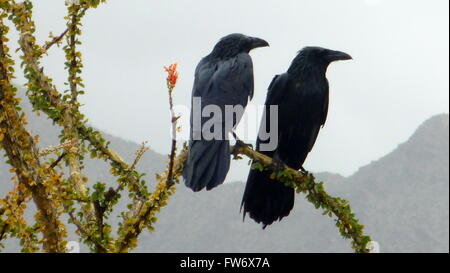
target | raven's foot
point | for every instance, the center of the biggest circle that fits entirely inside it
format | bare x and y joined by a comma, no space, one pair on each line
239,143
305,172
277,163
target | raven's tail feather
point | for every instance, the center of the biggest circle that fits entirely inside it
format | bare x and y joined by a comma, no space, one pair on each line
207,165
266,200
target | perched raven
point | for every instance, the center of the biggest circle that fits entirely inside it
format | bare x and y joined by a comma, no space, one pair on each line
223,78
301,95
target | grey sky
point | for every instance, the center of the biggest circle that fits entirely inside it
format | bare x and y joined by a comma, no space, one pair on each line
398,78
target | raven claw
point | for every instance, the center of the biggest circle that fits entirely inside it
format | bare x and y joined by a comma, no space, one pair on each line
241,143
277,163
305,172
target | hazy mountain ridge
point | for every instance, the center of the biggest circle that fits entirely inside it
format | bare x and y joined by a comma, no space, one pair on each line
413,183
402,199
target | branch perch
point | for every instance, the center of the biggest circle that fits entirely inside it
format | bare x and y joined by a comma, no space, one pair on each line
24,156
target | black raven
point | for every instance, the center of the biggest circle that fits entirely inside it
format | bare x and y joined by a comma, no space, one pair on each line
224,78
301,95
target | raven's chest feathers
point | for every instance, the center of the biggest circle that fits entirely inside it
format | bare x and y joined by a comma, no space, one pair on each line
304,105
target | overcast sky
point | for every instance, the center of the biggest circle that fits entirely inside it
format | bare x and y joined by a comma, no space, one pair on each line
398,78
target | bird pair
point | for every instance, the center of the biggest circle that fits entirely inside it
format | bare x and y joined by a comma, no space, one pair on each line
224,78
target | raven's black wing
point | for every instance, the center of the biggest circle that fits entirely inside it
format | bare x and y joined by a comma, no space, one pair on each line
325,104
317,123
276,93
224,82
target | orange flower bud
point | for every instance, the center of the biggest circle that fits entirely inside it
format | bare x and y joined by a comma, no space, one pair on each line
173,74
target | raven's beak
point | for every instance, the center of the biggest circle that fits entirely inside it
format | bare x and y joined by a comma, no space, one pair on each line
338,56
256,42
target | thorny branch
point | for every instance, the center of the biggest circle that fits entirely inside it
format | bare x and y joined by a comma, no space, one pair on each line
55,40
139,153
45,97
65,145
82,230
145,212
58,39
70,116
171,82
24,156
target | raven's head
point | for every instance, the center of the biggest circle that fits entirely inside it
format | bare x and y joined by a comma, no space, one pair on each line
234,44
319,58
